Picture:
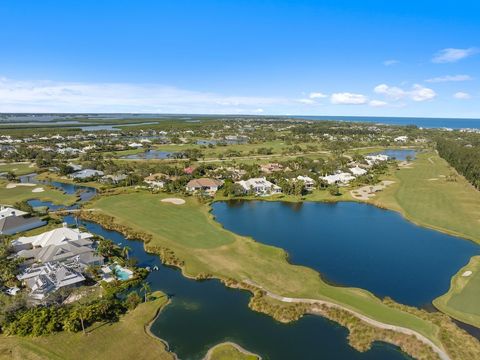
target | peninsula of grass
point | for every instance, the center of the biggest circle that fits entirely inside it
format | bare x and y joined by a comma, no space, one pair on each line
126,339
430,193
230,351
10,196
463,299
206,249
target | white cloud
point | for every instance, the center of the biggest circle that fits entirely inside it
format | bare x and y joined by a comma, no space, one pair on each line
377,103
307,101
390,62
421,93
347,98
317,95
391,92
50,96
451,55
462,95
449,78
417,93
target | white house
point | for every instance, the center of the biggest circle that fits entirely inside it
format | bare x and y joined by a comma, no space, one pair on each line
260,186
308,181
374,159
6,211
402,138
357,171
53,237
339,178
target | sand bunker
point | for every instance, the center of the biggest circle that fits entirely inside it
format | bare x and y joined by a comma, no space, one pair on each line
467,273
14,185
175,201
38,190
367,192
432,179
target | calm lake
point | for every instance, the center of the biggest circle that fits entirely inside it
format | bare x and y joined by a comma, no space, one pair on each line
356,245
149,155
205,313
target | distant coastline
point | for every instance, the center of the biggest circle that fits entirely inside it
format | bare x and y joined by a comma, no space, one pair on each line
451,123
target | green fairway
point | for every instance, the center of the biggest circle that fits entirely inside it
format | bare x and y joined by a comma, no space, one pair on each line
22,193
462,301
126,339
183,224
229,351
18,168
206,248
431,193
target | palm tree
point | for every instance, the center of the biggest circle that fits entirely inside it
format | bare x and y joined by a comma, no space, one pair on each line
126,251
146,289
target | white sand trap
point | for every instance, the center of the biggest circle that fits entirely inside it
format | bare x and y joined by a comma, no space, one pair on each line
432,179
175,201
38,190
467,273
14,185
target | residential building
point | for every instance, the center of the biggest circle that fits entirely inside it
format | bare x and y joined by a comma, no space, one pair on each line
48,278
155,180
11,225
204,184
86,174
357,171
53,237
269,168
259,186
339,178
308,181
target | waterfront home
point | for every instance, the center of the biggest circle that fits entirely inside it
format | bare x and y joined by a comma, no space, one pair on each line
308,182
270,168
6,211
53,237
48,278
259,186
155,181
375,159
81,251
339,178
11,225
357,171
114,179
86,174
204,185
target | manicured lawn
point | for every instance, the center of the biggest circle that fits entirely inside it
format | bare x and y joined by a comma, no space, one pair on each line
206,247
18,169
21,193
183,224
126,339
229,352
462,301
423,195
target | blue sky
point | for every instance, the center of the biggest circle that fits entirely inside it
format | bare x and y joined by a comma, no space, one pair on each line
379,58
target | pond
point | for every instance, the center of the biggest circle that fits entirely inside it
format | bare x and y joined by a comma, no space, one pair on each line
398,154
205,313
149,155
356,245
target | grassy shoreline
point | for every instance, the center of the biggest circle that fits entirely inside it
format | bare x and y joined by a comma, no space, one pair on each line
198,263
461,300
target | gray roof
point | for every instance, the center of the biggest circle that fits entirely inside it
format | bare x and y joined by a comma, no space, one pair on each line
13,224
62,252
